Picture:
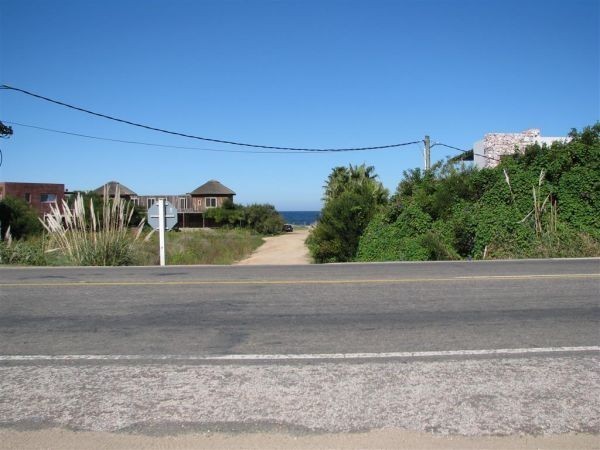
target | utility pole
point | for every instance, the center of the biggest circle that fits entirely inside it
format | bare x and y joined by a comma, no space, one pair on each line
427,153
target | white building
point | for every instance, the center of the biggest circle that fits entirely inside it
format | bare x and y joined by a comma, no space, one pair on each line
487,152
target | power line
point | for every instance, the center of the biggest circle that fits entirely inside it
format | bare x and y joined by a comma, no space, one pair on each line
220,141
180,147
464,151
150,144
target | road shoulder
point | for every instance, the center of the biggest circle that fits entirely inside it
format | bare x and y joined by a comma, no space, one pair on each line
55,438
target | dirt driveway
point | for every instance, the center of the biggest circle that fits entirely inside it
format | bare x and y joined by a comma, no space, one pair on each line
288,248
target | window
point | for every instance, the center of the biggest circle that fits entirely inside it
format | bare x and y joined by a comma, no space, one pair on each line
135,200
150,201
47,198
211,202
183,203
27,197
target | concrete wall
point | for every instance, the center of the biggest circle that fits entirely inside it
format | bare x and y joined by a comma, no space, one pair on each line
493,146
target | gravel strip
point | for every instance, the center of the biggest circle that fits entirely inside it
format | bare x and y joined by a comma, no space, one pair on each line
534,395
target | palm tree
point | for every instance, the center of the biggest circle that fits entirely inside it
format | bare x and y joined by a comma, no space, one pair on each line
337,181
359,178
365,178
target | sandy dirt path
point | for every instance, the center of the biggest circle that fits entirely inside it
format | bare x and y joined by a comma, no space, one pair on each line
285,249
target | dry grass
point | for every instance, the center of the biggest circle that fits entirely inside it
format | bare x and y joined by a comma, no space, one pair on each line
88,237
202,246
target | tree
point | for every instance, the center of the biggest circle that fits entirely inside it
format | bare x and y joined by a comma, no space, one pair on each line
337,181
352,196
342,179
343,220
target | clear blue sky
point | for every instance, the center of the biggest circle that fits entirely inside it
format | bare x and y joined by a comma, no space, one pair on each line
286,73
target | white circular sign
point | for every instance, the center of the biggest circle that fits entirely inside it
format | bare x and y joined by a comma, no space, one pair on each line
170,216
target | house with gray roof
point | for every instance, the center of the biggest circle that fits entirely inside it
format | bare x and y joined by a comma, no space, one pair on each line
191,206
112,187
211,194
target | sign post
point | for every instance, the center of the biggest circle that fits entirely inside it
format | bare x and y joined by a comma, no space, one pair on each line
161,230
162,216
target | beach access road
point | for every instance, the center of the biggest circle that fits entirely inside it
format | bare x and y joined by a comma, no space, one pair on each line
283,249
472,349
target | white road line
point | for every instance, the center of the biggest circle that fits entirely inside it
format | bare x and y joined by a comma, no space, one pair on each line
292,357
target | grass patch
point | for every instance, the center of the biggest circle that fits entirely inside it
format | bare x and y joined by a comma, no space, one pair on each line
203,246
24,252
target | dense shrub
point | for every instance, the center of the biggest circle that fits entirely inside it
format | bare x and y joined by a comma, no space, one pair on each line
544,202
579,191
20,217
230,214
261,218
411,236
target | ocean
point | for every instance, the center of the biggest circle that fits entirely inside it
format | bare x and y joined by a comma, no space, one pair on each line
300,217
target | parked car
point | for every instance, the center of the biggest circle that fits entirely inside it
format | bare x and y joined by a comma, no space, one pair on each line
288,228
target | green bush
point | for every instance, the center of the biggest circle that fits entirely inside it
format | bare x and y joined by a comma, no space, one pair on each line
20,217
579,192
229,214
544,202
412,236
380,241
566,243
263,219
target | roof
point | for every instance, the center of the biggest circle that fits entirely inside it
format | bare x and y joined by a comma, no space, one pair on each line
212,187
112,188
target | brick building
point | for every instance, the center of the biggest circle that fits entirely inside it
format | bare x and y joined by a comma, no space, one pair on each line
39,195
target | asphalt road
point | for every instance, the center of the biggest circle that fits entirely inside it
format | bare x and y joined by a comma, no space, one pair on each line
299,309
309,309
66,333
